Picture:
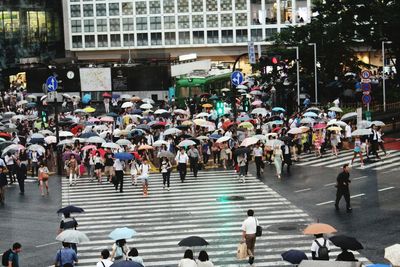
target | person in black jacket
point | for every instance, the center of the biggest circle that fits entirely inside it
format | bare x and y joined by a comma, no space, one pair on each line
346,256
3,184
287,155
21,173
342,185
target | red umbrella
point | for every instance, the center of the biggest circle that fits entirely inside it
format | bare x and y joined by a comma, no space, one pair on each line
277,129
226,125
101,151
107,95
5,135
319,126
75,129
256,88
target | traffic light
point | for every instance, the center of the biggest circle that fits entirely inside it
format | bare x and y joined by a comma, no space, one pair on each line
44,116
220,108
246,105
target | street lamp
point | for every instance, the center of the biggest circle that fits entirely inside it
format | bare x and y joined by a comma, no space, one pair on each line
383,73
315,72
298,75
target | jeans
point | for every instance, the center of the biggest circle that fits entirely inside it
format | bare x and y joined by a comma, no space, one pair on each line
120,180
182,171
193,165
346,194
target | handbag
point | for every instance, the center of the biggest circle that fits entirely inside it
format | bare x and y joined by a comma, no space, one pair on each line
45,175
258,229
242,251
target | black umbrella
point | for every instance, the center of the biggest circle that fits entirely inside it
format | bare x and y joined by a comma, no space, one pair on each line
143,127
193,241
241,150
294,256
346,242
5,144
126,264
70,209
182,127
197,141
89,134
186,136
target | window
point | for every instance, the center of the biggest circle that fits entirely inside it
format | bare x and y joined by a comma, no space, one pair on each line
212,37
76,12
88,25
226,20
141,8
184,38
270,33
170,38
241,36
88,10
169,22
197,21
197,6
226,5
76,41
156,38
113,9
127,8
101,25
129,39
142,39
76,26
241,19
183,22
102,40
227,36
212,5
115,40
89,41
198,37
169,6
141,24
212,21
127,24
155,23
270,12
240,4
155,7
183,6
101,10
115,25
256,35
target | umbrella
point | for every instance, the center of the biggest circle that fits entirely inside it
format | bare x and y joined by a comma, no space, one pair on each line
32,97
202,115
148,100
89,147
37,136
126,264
244,117
86,98
127,105
172,131
349,116
8,114
176,111
72,236
123,156
145,147
70,209
200,122
89,134
246,125
115,96
65,134
80,111
392,254
107,119
22,102
165,154
67,156
126,96
336,122
304,128
136,99
186,143
336,109
294,256
37,148
112,114
223,139
202,137
215,97
259,111
146,106
223,90
123,142
50,139
76,97
122,233
187,123
256,103
379,265
319,228
378,123
313,109
295,131
89,109
193,241
360,132
95,140
249,141
334,128
160,111
241,86
18,117
346,242
110,145
106,95
65,142
255,93
5,144
310,114
159,143
319,126
364,124
241,150
207,105
278,109
5,135
215,136
12,148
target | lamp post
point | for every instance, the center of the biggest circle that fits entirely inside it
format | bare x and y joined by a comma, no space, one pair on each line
298,75
383,73
315,71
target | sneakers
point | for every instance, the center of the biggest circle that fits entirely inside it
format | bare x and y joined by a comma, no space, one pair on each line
251,260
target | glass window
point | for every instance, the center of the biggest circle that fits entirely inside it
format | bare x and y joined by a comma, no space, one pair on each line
127,24
169,22
240,4
256,10
75,11
155,7
88,25
42,25
226,20
156,38
141,8
76,26
115,25
241,19
227,36
142,39
50,25
101,25
101,10
129,39
183,22
115,40
212,21
198,37
183,6
286,12
141,24
212,5
76,41
270,12
241,36
270,33
169,6
127,8
256,35
184,38
102,40
170,38
302,11
197,6
197,21
33,30
89,41
212,37
155,23
226,5
88,10
113,9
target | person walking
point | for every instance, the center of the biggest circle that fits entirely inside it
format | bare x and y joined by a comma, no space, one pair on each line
105,261
182,160
287,156
144,176
98,166
380,140
119,175
21,173
194,156
203,260
10,161
108,165
334,143
357,151
258,153
320,248
134,169
34,157
72,169
69,223
133,255
13,255
3,184
165,169
119,251
342,185
278,159
188,260
66,255
43,177
249,229
374,142
242,160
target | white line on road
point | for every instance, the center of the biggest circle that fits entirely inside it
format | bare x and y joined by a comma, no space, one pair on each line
48,244
302,190
359,195
330,184
386,188
359,178
331,201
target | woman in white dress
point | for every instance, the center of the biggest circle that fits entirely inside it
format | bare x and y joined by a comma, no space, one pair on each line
144,176
134,171
278,158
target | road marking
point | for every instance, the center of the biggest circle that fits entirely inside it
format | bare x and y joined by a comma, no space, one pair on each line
302,190
359,178
331,201
386,188
48,244
392,170
330,184
359,195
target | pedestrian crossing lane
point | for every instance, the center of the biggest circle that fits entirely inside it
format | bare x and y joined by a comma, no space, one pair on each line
195,207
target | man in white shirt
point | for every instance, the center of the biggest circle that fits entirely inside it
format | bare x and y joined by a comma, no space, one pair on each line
182,159
319,241
119,175
105,261
249,229
258,153
348,132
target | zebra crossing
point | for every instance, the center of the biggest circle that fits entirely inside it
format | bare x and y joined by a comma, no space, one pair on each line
391,160
195,207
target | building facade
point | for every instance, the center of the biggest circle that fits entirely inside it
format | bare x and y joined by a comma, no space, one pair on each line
107,29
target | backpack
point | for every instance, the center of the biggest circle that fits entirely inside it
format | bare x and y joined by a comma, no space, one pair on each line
5,257
323,252
119,253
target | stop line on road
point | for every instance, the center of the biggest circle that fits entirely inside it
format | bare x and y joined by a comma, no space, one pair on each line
192,208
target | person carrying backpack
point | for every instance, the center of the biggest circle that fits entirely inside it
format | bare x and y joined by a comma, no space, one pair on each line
119,250
10,257
320,248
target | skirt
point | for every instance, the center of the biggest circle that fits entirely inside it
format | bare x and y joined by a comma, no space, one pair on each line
98,166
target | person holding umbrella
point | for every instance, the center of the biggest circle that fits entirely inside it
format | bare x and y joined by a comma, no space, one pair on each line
165,169
72,169
68,223
144,176
119,250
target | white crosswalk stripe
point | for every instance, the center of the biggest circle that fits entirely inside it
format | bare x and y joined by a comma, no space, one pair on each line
163,218
391,160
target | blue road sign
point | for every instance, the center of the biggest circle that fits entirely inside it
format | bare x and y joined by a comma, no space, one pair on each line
366,99
366,86
52,84
365,74
236,78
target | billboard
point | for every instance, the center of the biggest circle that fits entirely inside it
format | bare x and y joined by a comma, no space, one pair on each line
95,79
68,79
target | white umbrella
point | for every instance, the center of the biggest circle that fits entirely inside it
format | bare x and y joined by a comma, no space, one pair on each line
241,87
148,101
12,148
50,139
95,140
22,102
360,132
65,142
259,111
101,127
46,132
202,137
364,124
277,143
392,254
378,123
43,97
177,111
80,111
349,116
186,143
313,109
81,140
225,90
8,114
18,117
223,139
260,137
255,93
37,148
72,236
172,131
307,120
65,134
127,105
33,97
159,143
126,96
271,134
66,95
336,122
37,136
200,122
249,141
146,106
76,97
295,131
123,142
111,145
336,109
160,111
202,115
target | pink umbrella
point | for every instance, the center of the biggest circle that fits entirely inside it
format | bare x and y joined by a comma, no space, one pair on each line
319,126
256,103
93,119
107,119
89,147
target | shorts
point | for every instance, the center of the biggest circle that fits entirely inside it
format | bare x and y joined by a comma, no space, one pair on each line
98,166
109,171
144,177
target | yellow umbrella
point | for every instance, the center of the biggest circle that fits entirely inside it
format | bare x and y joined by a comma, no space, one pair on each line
334,128
319,228
200,122
207,106
89,109
246,125
187,123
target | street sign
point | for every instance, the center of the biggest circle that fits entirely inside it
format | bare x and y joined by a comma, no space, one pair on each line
365,80
365,74
236,78
51,96
52,84
366,99
366,86
252,53
366,92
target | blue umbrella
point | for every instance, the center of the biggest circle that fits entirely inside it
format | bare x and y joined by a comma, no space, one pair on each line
126,264
294,256
278,109
115,96
124,156
379,265
87,135
310,114
137,111
215,136
122,233
277,122
244,118
86,99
